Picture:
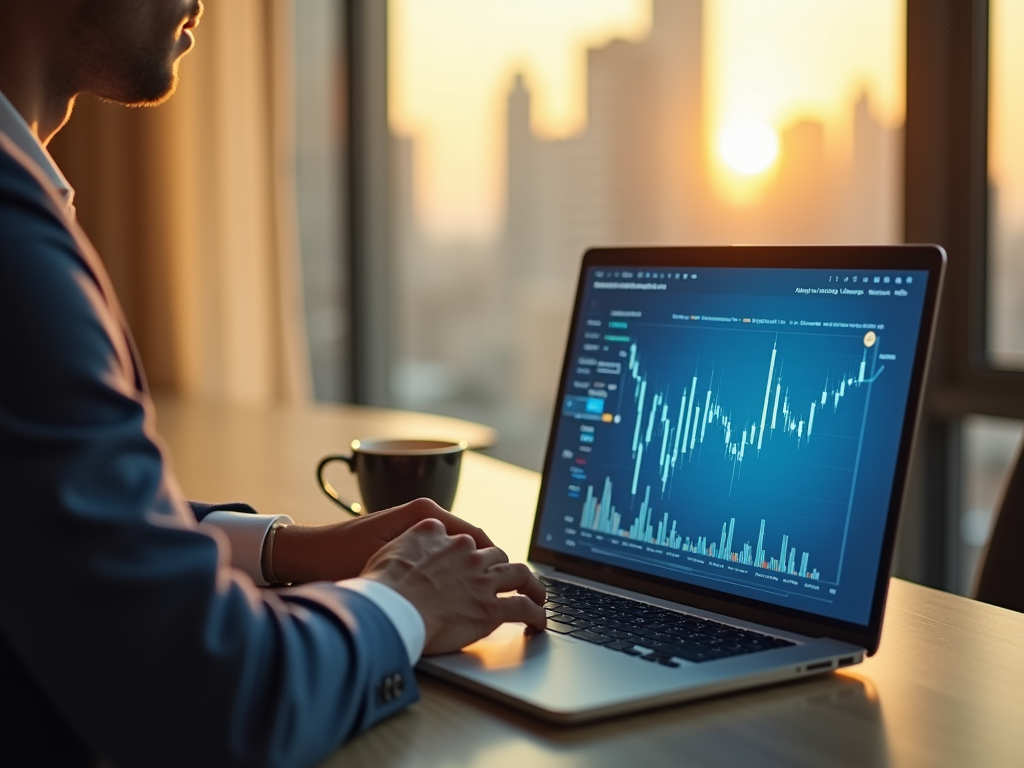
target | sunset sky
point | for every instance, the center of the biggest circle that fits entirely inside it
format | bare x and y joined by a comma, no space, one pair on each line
452,63
1006,115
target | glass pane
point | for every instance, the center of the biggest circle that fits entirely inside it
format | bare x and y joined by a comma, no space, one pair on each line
990,445
528,131
1006,184
319,124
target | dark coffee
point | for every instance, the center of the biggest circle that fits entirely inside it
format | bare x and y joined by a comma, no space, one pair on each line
392,472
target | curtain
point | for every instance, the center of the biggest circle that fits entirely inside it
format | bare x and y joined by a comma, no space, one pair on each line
192,206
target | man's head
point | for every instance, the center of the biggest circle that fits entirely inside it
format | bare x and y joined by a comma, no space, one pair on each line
127,51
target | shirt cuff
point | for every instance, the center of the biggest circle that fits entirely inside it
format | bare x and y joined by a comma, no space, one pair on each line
247,533
402,614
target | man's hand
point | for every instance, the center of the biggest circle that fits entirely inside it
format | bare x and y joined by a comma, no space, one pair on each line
340,551
455,586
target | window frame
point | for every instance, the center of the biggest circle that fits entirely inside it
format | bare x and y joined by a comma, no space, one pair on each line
946,201
368,173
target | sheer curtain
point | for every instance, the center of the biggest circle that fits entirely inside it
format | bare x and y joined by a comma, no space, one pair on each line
192,206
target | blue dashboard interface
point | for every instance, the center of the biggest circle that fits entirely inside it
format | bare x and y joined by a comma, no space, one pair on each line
736,428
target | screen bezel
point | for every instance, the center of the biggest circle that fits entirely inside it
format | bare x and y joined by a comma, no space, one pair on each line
930,258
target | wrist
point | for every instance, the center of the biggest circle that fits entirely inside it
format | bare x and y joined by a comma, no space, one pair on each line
305,553
285,558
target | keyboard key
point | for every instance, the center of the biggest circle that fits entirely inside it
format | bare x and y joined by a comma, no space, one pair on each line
619,645
614,624
570,611
590,637
560,628
562,618
644,632
666,650
613,633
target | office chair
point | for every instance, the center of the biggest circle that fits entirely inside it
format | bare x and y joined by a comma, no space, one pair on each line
999,577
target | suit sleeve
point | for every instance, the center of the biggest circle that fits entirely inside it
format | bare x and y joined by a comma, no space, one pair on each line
127,617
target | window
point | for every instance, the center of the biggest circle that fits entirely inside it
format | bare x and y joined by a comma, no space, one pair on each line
525,132
960,174
1006,180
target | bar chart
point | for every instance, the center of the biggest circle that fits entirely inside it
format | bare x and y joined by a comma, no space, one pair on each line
599,514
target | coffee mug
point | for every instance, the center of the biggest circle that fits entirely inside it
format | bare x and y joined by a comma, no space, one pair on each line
392,472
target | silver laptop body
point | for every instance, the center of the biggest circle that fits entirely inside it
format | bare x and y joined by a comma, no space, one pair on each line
728,456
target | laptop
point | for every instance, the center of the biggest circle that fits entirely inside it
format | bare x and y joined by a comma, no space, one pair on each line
723,478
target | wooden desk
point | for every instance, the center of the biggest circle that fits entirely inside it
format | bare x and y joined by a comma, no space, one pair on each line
268,456
946,688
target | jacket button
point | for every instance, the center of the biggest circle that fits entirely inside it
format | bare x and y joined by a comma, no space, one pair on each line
399,686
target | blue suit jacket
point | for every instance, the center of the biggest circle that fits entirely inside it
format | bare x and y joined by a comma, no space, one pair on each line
124,633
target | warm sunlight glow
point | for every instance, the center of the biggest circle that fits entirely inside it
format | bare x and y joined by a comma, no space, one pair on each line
749,148
1006,111
792,60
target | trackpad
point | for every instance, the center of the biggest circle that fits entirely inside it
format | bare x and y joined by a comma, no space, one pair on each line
507,647
554,672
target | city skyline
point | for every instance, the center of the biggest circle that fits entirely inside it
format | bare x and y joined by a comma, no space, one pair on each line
451,64
638,172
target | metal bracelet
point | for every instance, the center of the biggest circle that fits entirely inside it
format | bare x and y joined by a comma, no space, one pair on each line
267,560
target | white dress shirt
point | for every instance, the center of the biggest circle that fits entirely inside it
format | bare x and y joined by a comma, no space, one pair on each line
246,533
17,130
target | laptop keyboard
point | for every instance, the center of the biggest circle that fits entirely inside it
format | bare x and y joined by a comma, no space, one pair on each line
645,631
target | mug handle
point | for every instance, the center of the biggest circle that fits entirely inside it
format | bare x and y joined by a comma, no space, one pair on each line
355,508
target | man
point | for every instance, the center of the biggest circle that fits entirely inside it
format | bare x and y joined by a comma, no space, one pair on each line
125,634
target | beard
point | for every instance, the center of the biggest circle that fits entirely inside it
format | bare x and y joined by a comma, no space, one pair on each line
127,51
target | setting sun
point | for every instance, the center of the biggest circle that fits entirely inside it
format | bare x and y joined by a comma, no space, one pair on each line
748,148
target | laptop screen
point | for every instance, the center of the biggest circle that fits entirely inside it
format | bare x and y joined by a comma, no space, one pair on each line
735,428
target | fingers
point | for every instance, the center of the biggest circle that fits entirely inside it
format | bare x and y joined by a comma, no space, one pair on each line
429,526
422,509
521,608
518,577
456,525
490,557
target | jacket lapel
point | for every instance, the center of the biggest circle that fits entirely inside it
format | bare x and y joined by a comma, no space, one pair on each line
90,259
